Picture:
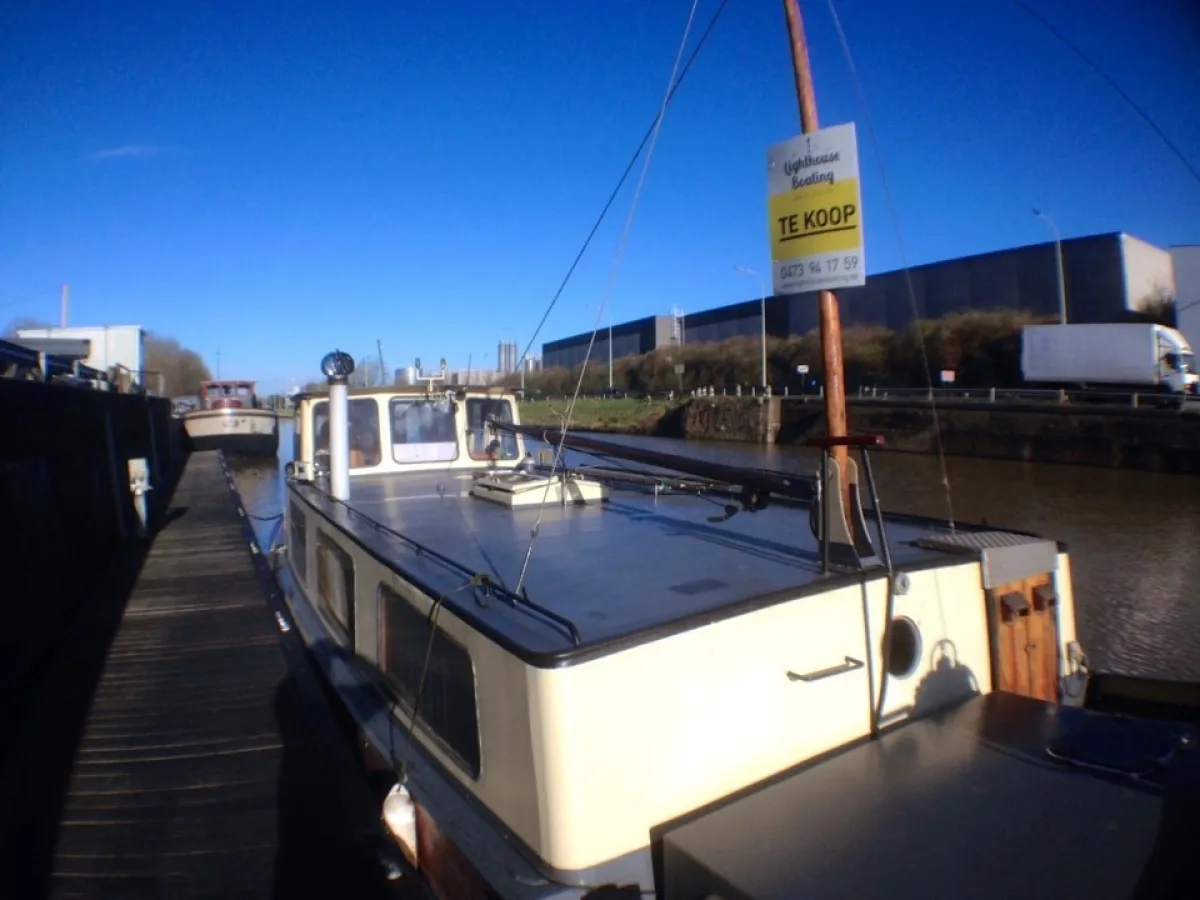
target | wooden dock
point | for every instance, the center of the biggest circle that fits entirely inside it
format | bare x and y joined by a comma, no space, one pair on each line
174,752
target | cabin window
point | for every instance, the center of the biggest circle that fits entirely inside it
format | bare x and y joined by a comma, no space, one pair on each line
447,709
365,450
335,581
299,541
478,411
422,430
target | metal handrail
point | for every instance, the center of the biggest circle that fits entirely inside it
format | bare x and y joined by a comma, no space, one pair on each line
12,354
477,580
1033,396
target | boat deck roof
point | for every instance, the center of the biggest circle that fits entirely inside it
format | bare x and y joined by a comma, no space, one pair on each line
633,564
968,803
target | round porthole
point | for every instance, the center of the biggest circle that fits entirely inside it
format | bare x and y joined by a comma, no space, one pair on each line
904,651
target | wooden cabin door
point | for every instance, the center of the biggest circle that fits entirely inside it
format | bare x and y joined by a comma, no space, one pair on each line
1024,626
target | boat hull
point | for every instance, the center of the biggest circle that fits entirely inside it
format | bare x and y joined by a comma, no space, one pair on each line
251,432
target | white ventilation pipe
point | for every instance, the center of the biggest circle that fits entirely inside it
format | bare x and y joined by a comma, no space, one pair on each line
337,367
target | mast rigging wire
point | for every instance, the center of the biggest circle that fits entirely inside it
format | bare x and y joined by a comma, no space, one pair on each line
1130,102
612,274
624,177
911,290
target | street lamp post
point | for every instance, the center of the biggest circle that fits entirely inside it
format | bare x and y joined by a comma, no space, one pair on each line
762,293
1062,281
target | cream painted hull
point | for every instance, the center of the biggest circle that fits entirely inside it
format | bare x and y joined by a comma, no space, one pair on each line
581,762
254,431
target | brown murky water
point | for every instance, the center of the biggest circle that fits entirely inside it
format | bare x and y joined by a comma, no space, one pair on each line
1133,536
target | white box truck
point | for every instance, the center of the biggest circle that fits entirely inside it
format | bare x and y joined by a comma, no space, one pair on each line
1108,357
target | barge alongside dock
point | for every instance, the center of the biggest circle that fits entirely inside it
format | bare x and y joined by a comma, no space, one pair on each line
229,418
579,675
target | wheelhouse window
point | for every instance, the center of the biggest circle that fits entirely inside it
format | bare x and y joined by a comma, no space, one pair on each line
479,410
365,447
446,708
228,395
422,430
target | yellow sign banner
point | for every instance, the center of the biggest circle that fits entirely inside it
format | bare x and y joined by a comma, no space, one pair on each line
814,212
811,220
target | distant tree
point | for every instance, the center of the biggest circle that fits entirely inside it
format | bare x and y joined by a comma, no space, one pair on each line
20,324
182,369
368,373
1158,307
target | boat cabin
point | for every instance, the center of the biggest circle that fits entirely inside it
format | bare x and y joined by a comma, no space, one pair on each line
228,395
411,429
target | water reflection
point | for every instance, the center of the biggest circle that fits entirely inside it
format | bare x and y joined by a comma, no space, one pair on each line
1131,534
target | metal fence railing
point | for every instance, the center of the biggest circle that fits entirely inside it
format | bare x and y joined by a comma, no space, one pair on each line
946,396
21,362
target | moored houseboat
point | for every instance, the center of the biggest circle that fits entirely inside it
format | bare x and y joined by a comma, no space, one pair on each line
230,417
574,672
585,669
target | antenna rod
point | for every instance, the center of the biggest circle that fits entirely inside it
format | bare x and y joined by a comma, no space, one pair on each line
831,325
64,301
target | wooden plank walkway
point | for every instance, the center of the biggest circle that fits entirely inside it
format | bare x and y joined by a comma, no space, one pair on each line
197,772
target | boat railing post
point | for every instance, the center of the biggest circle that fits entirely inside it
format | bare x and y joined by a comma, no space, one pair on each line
825,511
337,367
887,553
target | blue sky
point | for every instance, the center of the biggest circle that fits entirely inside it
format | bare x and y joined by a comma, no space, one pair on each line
271,180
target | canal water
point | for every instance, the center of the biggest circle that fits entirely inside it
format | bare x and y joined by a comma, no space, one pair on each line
1133,536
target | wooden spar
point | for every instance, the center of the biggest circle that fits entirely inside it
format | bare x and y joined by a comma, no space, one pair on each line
831,325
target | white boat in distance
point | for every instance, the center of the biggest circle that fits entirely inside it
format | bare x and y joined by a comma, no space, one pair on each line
230,418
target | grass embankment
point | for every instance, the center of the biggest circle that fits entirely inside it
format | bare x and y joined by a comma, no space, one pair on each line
617,415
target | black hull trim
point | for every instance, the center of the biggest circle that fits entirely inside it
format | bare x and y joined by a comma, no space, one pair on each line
239,444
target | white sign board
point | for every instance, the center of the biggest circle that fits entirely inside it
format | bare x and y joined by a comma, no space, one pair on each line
814,212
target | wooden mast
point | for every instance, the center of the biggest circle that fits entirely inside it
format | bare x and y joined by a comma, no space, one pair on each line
831,325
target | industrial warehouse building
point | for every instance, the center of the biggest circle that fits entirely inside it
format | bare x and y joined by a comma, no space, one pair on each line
1107,277
1187,291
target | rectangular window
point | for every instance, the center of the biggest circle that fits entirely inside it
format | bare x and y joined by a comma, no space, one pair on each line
479,410
447,704
335,581
298,551
422,430
365,447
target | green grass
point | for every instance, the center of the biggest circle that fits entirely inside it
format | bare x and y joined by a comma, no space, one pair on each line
619,414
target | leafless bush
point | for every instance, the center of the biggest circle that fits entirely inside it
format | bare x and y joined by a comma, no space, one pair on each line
983,348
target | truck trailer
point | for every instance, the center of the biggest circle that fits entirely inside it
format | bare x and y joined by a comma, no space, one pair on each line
1138,357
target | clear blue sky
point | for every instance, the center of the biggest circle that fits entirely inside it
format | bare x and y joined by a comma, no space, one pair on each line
276,179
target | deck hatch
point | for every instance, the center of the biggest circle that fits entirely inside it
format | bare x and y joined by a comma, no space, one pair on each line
1006,557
